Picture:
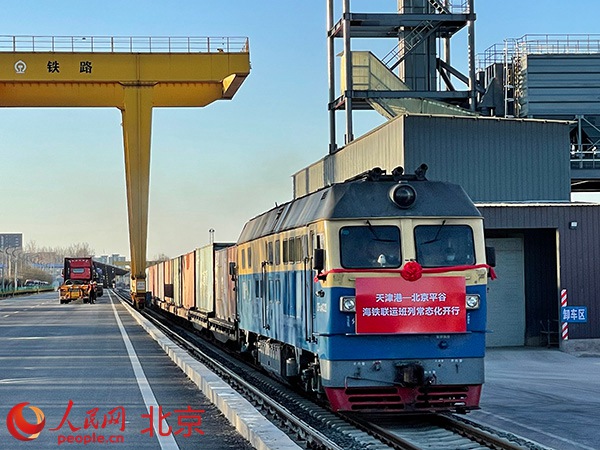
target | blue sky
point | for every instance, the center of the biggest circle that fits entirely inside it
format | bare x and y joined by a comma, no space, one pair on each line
212,167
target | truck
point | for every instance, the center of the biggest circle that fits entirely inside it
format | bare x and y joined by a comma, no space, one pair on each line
79,280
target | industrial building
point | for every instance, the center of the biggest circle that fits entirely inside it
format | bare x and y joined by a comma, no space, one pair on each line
520,138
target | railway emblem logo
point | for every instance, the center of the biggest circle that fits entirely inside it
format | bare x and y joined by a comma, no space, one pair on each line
19,427
20,67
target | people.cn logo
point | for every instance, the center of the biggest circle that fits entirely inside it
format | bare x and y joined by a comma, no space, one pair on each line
20,428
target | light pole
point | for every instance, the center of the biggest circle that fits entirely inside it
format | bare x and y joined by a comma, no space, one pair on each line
3,268
3,263
16,267
9,260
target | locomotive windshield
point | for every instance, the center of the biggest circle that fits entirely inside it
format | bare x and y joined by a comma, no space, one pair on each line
444,245
367,247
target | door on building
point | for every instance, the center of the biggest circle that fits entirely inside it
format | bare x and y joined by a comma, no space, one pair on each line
506,294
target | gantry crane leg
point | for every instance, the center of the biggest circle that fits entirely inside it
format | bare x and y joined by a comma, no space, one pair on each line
137,125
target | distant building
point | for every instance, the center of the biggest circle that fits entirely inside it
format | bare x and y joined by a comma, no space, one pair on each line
112,260
11,240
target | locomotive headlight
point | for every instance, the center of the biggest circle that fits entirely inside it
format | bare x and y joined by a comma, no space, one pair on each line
348,303
472,301
403,195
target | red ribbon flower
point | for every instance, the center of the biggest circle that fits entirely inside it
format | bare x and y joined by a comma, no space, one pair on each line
412,271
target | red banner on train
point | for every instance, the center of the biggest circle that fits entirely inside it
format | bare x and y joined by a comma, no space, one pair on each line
427,305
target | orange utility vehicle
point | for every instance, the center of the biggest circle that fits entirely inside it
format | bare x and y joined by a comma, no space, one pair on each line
79,279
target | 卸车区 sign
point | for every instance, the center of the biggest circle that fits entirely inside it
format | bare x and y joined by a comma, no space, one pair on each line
573,314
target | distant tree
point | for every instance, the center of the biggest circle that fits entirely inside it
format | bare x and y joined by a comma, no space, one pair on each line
81,249
34,256
30,247
32,273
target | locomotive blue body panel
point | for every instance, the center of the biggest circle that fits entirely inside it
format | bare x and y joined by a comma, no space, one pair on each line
289,320
408,346
282,315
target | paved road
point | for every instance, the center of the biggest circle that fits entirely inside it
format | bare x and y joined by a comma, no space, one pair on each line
92,371
544,394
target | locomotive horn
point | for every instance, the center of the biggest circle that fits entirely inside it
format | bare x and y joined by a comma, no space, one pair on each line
420,172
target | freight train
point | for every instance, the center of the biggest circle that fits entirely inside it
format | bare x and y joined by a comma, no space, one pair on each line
370,293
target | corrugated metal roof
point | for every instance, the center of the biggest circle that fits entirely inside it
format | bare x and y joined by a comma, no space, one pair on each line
493,119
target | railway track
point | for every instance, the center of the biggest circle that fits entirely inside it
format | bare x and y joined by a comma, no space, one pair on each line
314,426
442,432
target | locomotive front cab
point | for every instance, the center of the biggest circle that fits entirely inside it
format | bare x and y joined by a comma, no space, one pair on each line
401,321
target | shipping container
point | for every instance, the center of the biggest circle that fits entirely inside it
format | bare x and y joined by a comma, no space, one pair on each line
177,281
205,277
168,280
160,288
225,299
188,273
151,282
205,293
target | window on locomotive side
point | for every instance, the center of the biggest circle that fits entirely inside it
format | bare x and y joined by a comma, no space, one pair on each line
289,296
298,249
305,247
258,288
245,291
270,252
277,297
320,241
370,247
285,251
249,257
291,251
270,290
444,245
277,252
243,258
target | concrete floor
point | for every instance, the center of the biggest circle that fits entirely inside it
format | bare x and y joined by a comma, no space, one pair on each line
543,394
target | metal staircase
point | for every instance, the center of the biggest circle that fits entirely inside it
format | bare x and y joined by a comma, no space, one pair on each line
411,40
419,28
439,7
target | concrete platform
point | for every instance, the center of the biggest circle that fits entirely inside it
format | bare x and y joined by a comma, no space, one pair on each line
95,374
546,395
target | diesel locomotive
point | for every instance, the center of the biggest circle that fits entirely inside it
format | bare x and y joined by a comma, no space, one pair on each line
370,293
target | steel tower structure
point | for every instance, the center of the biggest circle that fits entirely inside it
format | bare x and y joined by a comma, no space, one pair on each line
419,26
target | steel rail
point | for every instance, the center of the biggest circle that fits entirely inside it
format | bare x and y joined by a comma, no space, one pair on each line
456,433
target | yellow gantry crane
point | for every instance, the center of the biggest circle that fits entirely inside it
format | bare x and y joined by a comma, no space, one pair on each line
134,74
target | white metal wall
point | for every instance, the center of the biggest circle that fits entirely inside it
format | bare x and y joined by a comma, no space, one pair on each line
506,295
